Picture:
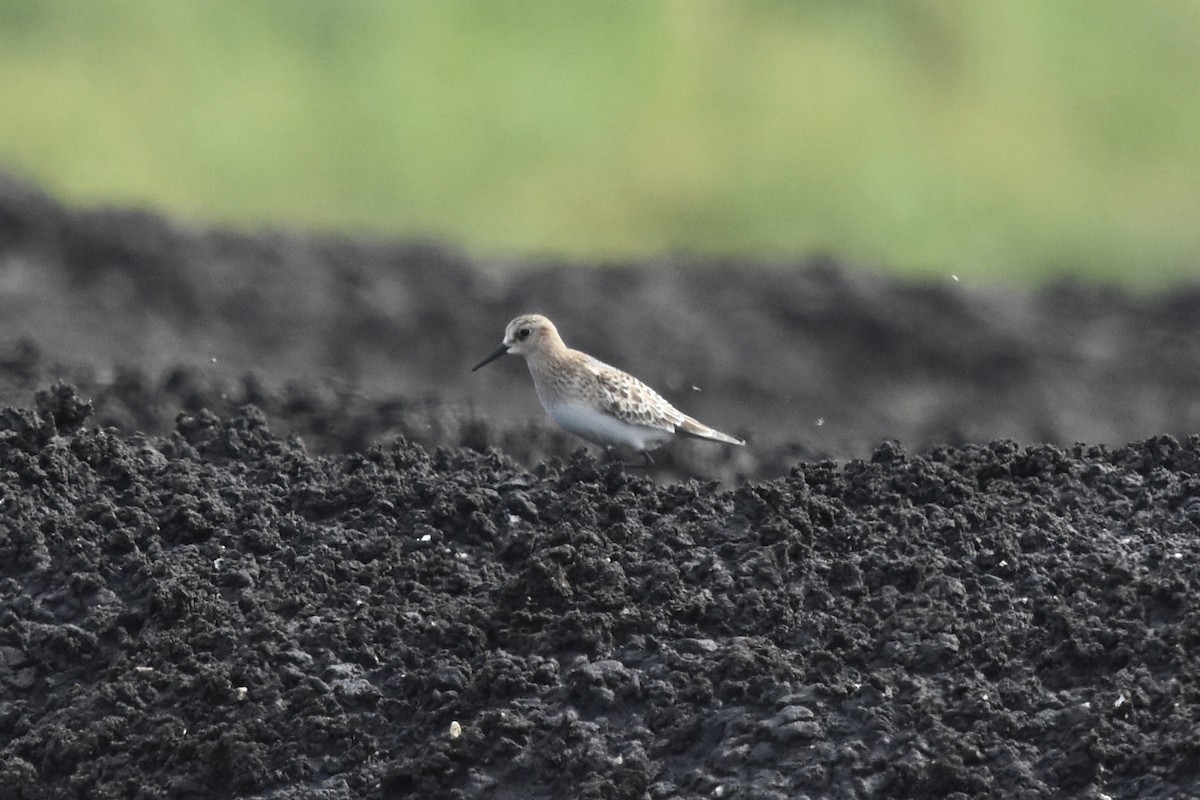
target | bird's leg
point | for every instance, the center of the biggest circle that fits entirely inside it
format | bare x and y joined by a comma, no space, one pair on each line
646,463
612,456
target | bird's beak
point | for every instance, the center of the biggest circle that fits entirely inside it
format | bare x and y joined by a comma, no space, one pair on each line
499,351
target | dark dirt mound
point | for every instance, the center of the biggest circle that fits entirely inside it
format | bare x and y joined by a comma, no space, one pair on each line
347,341
432,593
219,614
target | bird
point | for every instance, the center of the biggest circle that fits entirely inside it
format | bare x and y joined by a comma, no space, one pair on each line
593,400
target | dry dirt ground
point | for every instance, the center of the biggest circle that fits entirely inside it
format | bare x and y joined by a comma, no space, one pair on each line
389,578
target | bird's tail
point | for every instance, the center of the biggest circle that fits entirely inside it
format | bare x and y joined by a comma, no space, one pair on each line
693,427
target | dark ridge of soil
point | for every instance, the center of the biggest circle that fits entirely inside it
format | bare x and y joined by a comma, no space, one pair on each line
350,341
192,606
218,613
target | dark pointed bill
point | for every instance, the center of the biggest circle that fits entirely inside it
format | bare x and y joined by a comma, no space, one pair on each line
501,350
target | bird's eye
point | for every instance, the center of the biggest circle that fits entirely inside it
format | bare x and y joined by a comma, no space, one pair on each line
523,333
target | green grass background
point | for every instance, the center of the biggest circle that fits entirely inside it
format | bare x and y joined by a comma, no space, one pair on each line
998,140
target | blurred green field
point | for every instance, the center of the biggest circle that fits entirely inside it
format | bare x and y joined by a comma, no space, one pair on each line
1010,140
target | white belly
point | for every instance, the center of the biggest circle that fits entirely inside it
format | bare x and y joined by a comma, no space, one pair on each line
600,428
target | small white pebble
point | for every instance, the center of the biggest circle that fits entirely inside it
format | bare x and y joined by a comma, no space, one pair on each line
426,538
242,693
455,730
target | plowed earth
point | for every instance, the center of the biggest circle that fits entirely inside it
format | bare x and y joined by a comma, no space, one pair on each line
194,606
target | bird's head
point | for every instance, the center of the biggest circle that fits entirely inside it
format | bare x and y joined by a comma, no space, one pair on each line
528,334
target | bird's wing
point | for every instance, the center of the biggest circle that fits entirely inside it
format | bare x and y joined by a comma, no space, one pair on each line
630,400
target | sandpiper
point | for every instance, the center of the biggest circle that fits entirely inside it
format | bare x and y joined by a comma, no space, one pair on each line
593,400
